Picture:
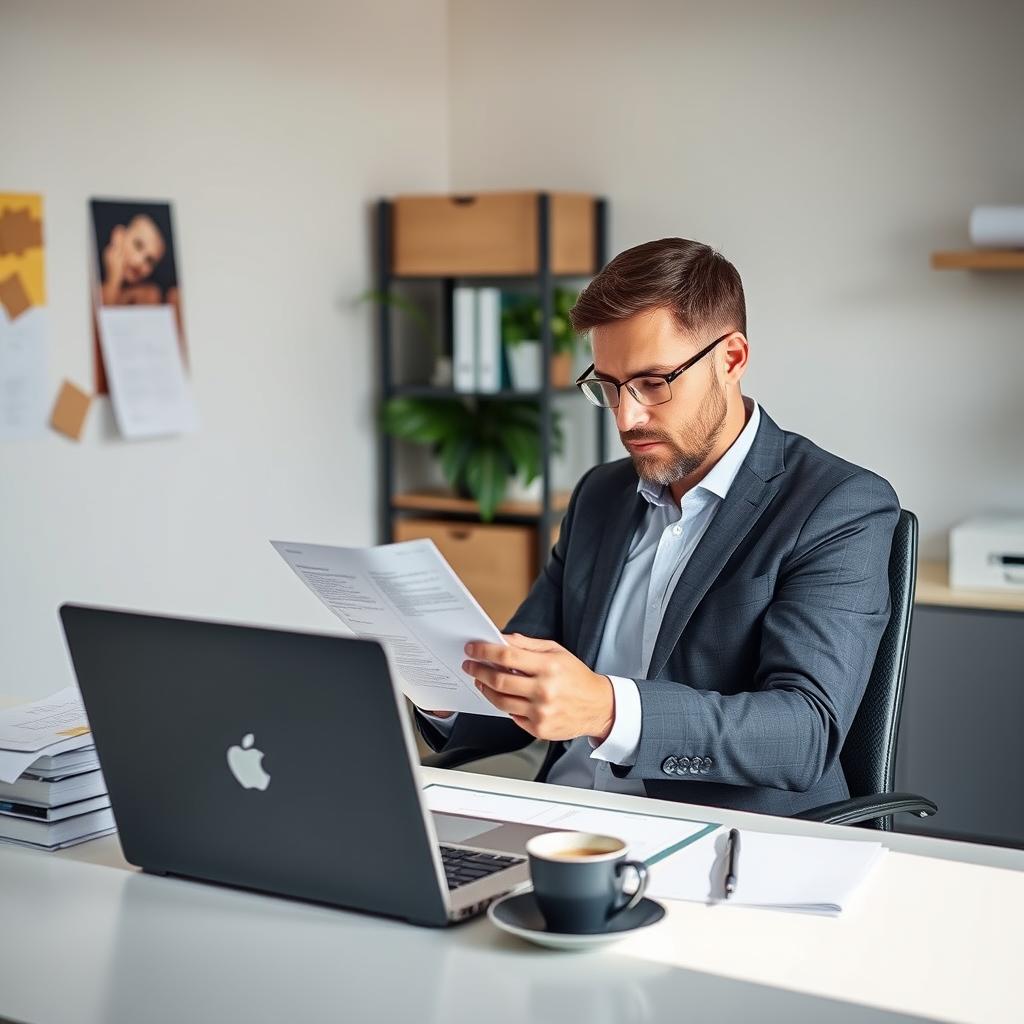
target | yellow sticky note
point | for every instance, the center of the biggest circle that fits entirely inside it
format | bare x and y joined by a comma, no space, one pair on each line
79,730
22,248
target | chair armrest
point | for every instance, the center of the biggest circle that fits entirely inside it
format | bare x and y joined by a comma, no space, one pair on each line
864,808
454,758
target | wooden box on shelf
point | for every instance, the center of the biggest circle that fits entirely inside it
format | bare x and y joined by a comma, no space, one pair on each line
497,562
491,233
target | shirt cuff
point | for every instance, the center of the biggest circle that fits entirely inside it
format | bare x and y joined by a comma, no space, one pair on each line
443,725
622,742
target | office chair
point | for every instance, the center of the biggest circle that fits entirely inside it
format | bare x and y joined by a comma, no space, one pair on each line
868,756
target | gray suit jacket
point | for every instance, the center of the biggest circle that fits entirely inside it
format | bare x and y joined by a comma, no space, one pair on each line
766,645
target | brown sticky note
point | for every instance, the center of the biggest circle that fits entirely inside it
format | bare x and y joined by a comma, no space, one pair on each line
13,296
70,410
19,231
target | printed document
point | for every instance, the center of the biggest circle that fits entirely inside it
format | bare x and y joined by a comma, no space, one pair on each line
30,727
148,385
407,597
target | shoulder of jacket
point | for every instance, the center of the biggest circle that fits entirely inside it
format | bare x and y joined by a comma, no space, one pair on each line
811,464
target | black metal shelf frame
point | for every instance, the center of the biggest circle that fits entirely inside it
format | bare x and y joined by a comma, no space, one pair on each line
545,279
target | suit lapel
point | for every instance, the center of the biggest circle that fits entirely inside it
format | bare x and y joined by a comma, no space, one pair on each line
746,500
620,525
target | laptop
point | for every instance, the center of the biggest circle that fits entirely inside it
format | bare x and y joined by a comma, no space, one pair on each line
278,761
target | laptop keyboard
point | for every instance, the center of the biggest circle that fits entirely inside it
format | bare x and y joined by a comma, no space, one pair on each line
464,866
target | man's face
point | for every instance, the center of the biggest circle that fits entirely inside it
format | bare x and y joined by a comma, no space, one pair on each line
669,441
144,249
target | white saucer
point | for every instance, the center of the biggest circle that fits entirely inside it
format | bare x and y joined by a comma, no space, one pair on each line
518,914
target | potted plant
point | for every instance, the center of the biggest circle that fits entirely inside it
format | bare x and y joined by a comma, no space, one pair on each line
520,333
480,449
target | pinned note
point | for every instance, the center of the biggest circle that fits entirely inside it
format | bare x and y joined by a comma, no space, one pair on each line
70,410
24,392
13,296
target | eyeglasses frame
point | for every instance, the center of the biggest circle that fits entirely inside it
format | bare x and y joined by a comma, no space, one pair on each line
666,377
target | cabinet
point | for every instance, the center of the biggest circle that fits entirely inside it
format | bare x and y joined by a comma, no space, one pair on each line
513,240
959,740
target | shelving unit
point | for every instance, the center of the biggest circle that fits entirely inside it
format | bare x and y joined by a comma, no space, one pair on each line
512,240
978,259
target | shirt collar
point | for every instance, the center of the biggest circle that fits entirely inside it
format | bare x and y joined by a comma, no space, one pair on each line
719,478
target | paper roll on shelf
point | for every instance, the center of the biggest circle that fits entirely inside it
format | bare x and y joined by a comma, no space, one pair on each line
997,227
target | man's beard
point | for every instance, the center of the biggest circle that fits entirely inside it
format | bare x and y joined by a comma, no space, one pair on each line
680,461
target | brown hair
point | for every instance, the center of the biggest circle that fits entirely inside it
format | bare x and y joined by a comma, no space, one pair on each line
699,286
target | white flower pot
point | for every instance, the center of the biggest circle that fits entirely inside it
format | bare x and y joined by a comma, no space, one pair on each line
524,365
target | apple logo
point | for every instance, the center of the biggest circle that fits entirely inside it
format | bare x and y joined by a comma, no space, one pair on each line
245,765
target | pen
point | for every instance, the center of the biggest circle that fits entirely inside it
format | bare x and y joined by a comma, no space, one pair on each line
734,862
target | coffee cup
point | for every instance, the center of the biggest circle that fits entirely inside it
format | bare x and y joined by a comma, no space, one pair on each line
579,880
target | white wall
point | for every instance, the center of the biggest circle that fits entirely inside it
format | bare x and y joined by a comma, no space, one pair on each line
826,148
271,128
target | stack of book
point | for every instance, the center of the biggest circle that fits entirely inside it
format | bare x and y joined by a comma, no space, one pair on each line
52,792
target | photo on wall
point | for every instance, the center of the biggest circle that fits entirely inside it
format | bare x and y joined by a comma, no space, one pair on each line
135,262
138,321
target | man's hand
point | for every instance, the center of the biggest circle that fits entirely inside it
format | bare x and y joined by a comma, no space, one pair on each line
548,691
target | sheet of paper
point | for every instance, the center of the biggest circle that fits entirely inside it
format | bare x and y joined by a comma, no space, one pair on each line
14,762
650,837
30,727
23,378
407,597
145,371
807,874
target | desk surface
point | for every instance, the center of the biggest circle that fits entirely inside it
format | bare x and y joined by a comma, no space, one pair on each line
86,939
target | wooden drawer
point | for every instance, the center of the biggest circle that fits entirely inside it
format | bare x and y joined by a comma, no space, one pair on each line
497,563
490,233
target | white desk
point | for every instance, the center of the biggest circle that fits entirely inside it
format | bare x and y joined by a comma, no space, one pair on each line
85,939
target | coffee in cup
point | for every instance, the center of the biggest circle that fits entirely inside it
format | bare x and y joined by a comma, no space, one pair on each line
579,880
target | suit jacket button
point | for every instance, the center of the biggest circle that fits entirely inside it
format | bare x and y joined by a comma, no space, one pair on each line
708,763
668,766
684,763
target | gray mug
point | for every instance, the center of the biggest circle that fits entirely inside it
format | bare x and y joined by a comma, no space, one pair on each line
579,880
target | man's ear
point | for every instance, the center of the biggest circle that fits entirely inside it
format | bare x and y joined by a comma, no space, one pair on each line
736,356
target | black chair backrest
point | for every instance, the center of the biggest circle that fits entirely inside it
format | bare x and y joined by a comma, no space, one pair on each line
868,756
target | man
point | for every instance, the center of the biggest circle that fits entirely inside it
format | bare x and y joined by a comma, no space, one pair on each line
706,624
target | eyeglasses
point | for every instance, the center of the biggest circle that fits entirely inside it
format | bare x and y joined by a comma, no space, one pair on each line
646,388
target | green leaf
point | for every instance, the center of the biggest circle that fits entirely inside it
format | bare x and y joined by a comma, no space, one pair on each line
487,478
426,420
523,447
455,452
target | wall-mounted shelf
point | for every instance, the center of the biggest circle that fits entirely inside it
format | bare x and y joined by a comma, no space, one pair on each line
978,259
933,588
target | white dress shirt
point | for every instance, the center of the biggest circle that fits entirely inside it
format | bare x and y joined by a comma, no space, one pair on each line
663,543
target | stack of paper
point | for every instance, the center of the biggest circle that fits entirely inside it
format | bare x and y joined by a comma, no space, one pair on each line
52,793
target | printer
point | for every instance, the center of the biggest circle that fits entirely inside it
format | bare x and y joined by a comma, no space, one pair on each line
987,553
